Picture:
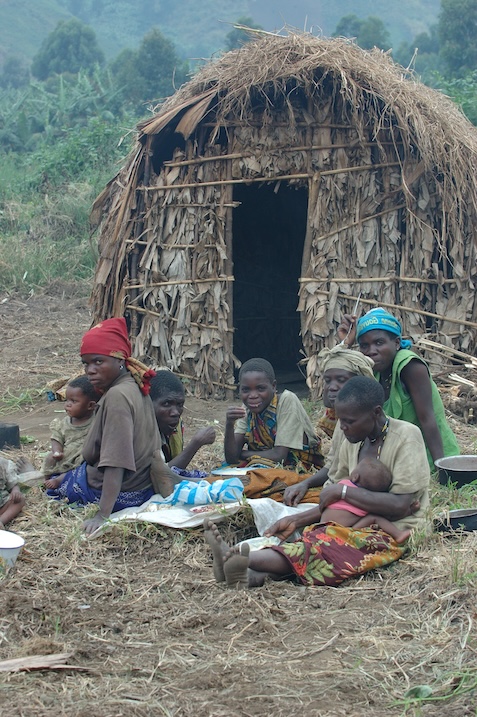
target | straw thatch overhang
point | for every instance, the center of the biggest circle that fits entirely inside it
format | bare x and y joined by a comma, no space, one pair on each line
308,171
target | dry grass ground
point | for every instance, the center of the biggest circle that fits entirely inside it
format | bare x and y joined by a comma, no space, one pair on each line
150,633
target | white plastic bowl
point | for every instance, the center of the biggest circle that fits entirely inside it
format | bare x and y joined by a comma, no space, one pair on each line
10,547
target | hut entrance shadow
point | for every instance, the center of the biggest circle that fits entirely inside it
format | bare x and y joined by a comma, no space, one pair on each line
268,237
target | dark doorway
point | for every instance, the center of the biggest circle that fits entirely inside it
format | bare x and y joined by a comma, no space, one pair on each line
268,236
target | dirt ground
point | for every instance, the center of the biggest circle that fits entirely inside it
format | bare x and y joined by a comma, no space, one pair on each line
147,630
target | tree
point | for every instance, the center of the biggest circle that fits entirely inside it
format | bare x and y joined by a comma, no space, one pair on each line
158,65
151,72
14,74
458,32
423,51
368,33
71,47
373,33
348,26
236,37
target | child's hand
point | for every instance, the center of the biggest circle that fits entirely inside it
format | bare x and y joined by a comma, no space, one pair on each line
234,413
15,495
58,455
205,436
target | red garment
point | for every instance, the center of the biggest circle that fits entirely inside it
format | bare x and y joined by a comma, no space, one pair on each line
344,505
109,338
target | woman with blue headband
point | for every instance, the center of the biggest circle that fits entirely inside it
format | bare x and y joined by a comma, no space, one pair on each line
410,392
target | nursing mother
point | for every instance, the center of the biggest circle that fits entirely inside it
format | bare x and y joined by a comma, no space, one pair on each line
410,393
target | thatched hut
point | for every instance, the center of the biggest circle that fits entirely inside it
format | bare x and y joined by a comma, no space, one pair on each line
272,189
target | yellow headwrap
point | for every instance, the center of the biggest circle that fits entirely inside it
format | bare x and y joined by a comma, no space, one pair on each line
345,359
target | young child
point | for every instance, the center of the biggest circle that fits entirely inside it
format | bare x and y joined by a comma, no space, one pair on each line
168,398
68,433
12,499
372,475
272,425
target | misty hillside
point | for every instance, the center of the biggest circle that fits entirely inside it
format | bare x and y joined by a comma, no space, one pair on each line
198,29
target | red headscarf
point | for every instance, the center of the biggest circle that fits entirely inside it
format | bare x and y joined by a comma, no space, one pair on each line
110,338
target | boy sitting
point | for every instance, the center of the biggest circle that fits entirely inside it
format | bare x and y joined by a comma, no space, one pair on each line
168,398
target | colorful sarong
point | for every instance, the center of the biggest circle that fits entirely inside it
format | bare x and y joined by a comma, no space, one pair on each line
261,433
328,553
327,422
75,489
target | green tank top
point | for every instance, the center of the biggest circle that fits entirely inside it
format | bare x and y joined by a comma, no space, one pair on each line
400,405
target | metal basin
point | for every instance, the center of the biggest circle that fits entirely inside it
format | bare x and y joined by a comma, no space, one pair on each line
457,470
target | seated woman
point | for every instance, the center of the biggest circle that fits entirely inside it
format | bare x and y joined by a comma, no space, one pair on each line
337,366
168,398
119,447
271,425
328,554
410,393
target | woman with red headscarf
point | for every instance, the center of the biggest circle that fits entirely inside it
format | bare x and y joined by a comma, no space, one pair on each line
119,446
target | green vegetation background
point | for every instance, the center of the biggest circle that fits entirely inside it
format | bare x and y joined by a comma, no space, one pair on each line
72,93
198,29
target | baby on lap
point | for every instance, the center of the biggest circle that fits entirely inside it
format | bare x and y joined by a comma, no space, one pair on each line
372,475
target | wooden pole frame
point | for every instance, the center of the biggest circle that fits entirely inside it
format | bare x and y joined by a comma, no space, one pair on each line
373,302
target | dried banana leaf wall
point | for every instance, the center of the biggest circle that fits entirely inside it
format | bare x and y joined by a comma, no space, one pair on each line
391,204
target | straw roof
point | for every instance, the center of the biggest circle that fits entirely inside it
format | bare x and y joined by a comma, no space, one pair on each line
419,141
375,90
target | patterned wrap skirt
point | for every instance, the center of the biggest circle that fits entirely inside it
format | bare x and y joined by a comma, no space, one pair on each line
75,489
328,553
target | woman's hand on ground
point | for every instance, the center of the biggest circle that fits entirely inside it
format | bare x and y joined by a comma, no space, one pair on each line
92,524
294,494
283,528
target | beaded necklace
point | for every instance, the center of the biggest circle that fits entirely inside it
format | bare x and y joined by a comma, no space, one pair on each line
382,435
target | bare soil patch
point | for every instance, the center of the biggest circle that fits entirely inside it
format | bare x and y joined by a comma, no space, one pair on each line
151,632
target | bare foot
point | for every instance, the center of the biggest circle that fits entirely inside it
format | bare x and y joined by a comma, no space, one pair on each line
53,483
236,566
24,466
162,478
219,549
401,536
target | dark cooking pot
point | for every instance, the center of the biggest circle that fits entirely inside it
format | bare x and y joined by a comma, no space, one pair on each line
458,470
457,520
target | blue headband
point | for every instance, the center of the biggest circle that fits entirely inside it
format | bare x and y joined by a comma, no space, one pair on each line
382,320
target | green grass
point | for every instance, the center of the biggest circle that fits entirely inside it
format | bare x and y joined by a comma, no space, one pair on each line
447,687
46,238
9,402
